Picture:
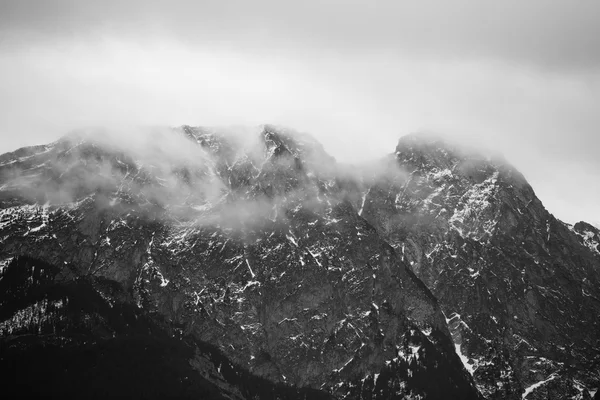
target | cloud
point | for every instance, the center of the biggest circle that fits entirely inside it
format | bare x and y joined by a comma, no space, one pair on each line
519,77
238,182
544,33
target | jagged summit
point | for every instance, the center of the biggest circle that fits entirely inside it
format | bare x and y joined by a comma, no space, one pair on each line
503,268
428,151
430,142
278,145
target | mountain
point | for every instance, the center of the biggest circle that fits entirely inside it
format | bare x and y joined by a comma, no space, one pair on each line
519,288
241,252
269,270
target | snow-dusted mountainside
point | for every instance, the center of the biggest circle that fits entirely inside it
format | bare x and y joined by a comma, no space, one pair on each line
77,338
254,247
436,273
519,288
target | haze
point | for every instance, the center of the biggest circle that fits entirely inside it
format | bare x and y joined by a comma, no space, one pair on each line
521,78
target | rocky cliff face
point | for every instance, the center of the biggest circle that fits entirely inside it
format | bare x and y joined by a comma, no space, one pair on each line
78,338
519,288
261,250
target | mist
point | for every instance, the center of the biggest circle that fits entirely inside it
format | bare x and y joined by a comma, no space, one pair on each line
522,80
235,179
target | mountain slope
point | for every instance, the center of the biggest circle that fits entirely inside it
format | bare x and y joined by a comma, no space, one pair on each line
69,336
520,289
254,248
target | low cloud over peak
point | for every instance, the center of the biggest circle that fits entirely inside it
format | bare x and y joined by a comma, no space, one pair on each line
522,78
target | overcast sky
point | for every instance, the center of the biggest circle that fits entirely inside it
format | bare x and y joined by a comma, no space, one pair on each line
519,77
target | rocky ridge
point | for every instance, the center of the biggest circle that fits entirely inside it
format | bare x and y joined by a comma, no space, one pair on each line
374,283
519,288
257,250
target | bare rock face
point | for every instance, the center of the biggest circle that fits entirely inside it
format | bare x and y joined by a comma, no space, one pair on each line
519,288
589,236
78,338
258,248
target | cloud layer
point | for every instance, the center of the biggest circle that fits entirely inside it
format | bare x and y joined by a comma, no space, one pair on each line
520,77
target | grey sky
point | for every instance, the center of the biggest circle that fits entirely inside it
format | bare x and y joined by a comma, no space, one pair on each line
521,77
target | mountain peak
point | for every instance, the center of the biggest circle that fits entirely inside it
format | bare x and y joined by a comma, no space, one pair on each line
442,151
277,144
432,154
